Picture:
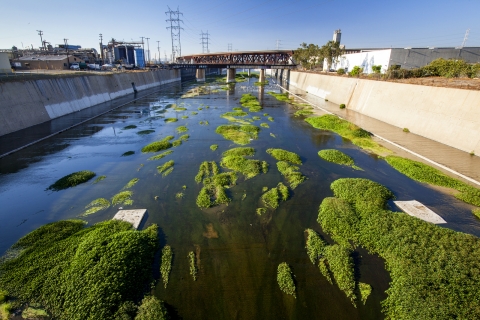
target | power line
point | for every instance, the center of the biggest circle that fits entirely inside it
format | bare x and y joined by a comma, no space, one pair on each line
204,38
174,19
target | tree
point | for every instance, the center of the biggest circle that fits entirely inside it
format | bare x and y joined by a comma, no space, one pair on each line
331,51
308,56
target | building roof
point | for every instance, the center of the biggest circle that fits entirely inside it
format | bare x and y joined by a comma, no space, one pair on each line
43,57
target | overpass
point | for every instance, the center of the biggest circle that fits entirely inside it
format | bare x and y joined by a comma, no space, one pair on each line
269,59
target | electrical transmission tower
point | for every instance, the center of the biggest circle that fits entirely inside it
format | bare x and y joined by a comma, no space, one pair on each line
278,44
40,33
204,38
229,47
174,19
465,38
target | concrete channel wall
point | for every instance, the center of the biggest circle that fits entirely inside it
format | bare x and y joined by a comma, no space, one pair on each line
24,104
449,116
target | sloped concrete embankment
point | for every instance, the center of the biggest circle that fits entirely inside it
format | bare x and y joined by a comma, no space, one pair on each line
446,115
24,104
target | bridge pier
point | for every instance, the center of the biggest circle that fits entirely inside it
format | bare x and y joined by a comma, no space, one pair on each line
249,72
231,75
262,76
200,75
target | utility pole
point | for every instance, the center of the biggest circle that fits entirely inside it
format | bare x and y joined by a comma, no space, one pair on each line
40,33
143,50
174,19
158,48
66,47
465,38
229,47
278,44
148,47
101,48
204,38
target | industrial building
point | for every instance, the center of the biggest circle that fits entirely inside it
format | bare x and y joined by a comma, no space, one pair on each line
46,62
4,63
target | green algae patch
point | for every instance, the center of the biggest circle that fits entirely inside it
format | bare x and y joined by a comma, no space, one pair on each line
166,168
261,83
255,118
272,197
145,132
166,264
365,290
75,271
72,180
338,157
169,120
161,155
281,96
205,169
215,184
424,173
184,117
270,119
150,308
181,129
194,113
303,113
158,145
250,101
184,137
430,266
131,183
284,155
214,147
132,126
261,211
192,265
100,178
315,246
240,151
340,263
96,205
235,114
285,279
239,134
291,173
123,197
249,168
236,120
348,130
476,213
264,125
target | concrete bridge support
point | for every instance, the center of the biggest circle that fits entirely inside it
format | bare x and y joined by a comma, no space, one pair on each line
231,75
200,75
262,76
249,72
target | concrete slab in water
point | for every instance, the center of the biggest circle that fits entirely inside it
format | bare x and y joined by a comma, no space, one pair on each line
133,216
417,209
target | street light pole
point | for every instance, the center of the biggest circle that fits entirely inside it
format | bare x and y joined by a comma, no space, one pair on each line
40,32
158,48
101,48
143,50
66,47
148,48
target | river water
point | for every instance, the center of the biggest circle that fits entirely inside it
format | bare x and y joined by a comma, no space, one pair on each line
237,251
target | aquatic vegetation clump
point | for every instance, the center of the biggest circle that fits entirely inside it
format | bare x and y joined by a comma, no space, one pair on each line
176,143
250,101
192,264
365,290
285,279
270,119
158,145
338,157
144,132
181,129
75,271
280,96
206,169
123,197
341,265
100,178
256,118
166,264
264,125
214,147
249,168
176,108
128,153
96,205
322,266
131,183
315,246
261,83
414,251
348,130
161,155
169,120
235,114
261,211
272,197
166,168
240,134
194,113
184,137
240,151
132,126
291,173
214,185
72,180
476,213
303,113
424,173
284,155
184,117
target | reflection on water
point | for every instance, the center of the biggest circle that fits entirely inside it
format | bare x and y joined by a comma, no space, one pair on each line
237,251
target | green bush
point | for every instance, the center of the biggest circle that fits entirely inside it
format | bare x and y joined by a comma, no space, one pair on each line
356,71
151,309
342,106
285,279
81,273
341,71
377,69
72,180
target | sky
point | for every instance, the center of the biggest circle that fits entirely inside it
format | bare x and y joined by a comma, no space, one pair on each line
246,24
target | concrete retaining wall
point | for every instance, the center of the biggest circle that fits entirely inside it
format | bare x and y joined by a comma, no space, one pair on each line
24,104
449,116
